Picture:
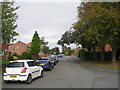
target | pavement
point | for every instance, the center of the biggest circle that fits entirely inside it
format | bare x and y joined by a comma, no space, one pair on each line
68,73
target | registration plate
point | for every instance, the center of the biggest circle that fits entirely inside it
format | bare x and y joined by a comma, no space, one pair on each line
13,76
42,64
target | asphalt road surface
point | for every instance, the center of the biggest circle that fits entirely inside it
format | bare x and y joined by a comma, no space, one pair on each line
69,74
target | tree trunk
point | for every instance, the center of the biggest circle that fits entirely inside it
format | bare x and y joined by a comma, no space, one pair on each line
114,49
102,53
94,54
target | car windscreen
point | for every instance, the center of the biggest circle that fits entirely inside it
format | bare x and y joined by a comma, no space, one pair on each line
16,64
46,58
42,60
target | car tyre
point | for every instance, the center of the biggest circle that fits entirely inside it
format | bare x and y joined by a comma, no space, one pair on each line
50,68
29,79
6,82
42,74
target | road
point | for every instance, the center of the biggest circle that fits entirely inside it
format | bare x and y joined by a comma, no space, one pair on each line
69,74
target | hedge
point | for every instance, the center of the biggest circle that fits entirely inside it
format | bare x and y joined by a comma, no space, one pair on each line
90,56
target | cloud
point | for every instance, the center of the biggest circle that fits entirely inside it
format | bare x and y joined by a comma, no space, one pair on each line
48,0
50,20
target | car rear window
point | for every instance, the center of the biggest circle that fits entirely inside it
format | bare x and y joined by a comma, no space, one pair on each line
16,64
42,60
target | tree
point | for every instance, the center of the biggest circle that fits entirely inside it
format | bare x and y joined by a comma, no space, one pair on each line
43,42
45,49
98,24
35,46
9,17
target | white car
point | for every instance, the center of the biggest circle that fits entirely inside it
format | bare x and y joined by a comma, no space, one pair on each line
22,70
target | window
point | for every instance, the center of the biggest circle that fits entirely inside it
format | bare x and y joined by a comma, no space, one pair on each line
17,47
16,64
31,63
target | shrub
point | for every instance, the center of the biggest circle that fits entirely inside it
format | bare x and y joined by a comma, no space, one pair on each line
82,54
10,58
25,55
108,55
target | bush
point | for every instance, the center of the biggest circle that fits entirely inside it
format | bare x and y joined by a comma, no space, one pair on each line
82,54
10,58
90,55
108,56
25,55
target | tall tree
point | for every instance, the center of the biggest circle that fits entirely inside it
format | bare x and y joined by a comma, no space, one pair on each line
45,49
98,24
35,46
9,17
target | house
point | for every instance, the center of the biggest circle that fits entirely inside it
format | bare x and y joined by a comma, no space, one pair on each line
19,47
76,51
108,48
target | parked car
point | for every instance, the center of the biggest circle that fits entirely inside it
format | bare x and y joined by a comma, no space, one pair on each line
56,58
22,70
53,58
60,55
45,63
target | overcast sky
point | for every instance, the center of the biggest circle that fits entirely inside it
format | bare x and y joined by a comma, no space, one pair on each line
49,19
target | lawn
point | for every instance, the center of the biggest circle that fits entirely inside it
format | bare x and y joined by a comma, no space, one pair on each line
107,64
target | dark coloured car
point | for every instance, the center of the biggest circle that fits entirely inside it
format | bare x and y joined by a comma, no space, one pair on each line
54,59
60,55
46,63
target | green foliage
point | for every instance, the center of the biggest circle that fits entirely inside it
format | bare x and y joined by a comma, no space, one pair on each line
10,57
82,54
45,49
9,25
35,46
25,55
98,24
86,55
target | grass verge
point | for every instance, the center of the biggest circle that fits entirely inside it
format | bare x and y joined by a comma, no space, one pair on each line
107,64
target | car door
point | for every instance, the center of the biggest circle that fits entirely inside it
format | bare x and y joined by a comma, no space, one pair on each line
36,69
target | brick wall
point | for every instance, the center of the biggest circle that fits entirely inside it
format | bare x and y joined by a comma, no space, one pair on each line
19,47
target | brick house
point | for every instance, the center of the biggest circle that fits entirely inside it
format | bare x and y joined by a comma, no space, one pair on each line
19,47
108,48
76,51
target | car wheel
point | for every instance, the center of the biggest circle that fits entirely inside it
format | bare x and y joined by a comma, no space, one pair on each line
50,68
29,79
6,82
42,74
54,64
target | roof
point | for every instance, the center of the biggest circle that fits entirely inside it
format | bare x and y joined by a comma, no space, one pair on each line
21,60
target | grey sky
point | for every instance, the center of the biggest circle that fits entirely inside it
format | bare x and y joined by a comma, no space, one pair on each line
49,19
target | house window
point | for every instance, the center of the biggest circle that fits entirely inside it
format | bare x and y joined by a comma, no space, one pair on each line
17,47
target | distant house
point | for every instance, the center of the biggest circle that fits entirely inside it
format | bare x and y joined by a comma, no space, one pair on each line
19,47
76,51
108,48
